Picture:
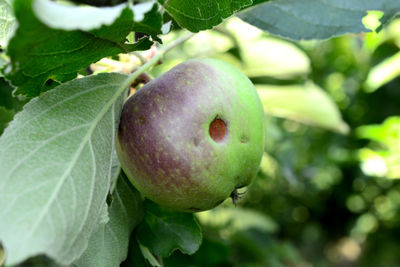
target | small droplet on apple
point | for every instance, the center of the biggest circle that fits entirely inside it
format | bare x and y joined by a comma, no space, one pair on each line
217,130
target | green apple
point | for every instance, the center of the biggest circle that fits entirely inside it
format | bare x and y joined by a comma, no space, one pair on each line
188,139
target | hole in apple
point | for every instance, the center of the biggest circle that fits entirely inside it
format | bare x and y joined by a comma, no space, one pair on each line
217,129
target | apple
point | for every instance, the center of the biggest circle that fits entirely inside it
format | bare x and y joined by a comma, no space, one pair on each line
189,138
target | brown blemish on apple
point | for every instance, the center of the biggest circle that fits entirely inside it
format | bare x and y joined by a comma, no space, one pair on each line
142,119
196,141
244,139
217,130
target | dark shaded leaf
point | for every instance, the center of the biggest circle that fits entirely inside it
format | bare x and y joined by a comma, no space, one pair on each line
151,23
164,230
6,116
39,53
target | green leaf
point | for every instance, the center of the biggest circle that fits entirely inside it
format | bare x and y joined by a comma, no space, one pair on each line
147,16
306,103
266,56
201,15
231,220
383,73
108,245
164,230
6,116
7,100
2,256
384,158
148,19
68,17
387,133
151,259
3,62
9,104
7,21
56,166
136,256
39,53
315,19
115,171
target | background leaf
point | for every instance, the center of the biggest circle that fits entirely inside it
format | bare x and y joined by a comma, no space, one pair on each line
266,56
201,15
307,104
2,256
39,54
55,166
231,220
7,21
164,230
383,157
108,245
383,73
315,19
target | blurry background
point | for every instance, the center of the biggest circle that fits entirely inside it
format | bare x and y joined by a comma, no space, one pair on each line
327,193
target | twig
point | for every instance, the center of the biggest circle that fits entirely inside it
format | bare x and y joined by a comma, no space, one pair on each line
154,60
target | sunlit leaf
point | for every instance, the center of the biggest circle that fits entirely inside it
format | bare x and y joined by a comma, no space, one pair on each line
306,103
232,220
56,166
387,133
383,73
7,21
68,17
384,160
266,56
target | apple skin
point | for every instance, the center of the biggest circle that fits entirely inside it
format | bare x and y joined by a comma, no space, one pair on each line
164,142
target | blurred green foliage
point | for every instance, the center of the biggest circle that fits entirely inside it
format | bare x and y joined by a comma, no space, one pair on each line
322,197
